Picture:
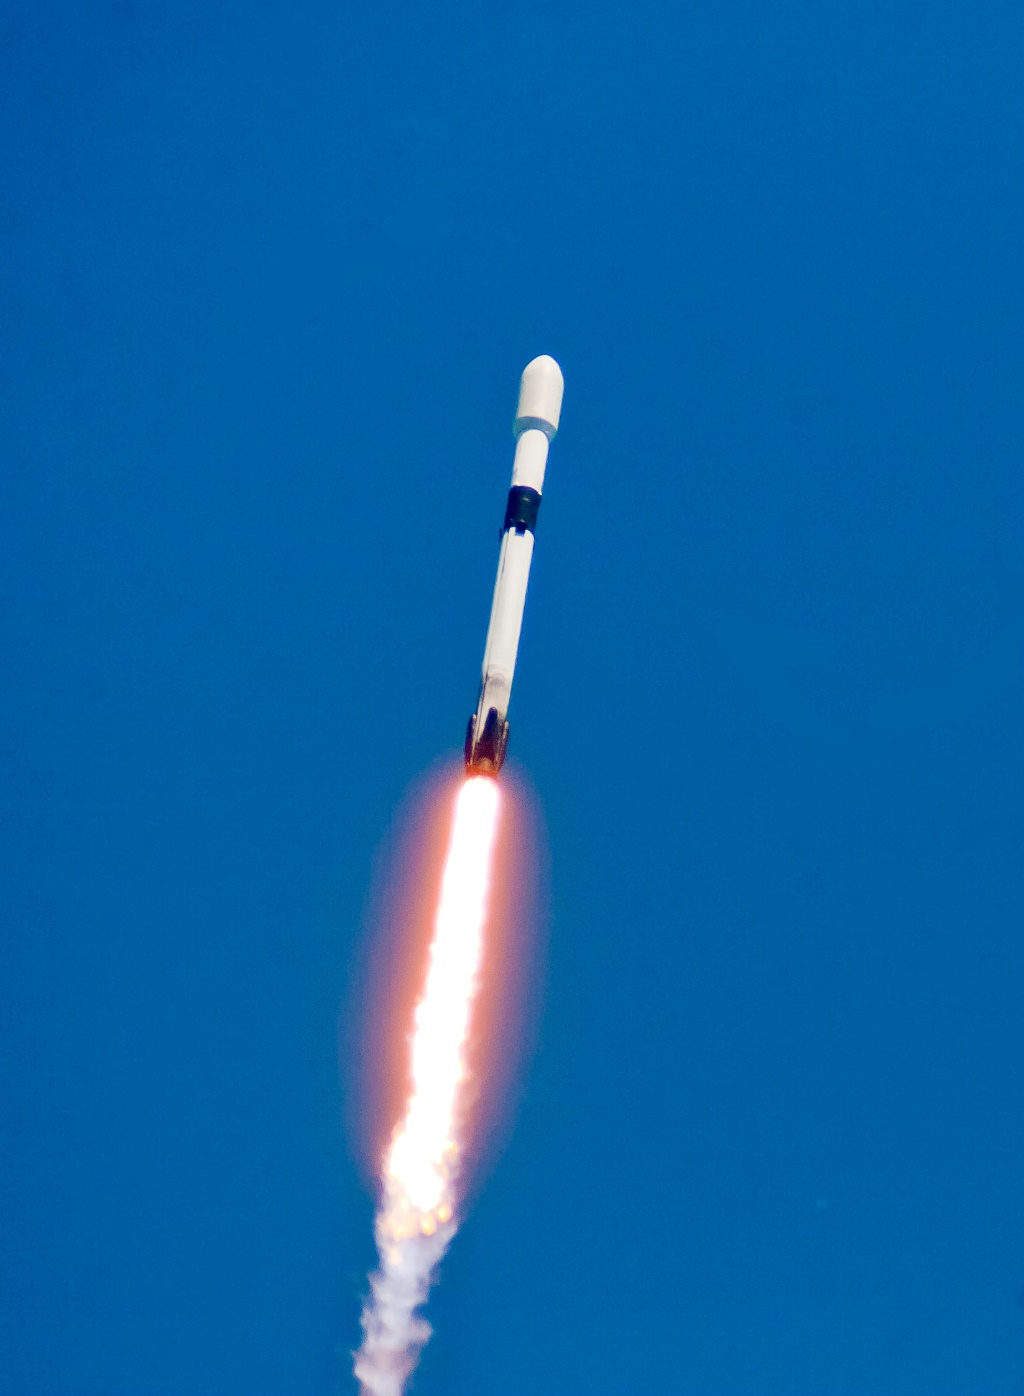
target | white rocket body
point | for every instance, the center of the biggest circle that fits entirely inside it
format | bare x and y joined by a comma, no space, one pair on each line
540,406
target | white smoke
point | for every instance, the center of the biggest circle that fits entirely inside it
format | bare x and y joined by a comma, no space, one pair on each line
393,1332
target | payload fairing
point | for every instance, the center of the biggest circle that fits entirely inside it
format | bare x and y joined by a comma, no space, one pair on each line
536,421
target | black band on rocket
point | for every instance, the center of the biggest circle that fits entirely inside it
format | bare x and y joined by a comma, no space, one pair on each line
521,509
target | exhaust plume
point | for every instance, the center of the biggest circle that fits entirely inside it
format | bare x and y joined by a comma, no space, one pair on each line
416,1219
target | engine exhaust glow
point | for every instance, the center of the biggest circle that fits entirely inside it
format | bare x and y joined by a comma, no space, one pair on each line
416,1219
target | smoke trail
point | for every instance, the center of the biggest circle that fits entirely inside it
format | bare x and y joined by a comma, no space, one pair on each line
416,1219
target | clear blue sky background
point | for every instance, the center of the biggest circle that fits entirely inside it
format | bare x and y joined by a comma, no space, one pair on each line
269,275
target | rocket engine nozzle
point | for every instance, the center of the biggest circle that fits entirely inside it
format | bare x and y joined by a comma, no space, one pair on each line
485,753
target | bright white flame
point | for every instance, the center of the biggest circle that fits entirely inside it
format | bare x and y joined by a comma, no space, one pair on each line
415,1221
423,1149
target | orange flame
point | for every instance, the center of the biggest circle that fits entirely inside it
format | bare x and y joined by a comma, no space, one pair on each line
422,1162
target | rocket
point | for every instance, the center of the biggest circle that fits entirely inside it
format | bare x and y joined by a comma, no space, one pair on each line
536,421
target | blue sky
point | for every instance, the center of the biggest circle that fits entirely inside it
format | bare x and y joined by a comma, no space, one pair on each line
269,276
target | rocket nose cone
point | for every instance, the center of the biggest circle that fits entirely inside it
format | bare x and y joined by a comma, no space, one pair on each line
540,396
